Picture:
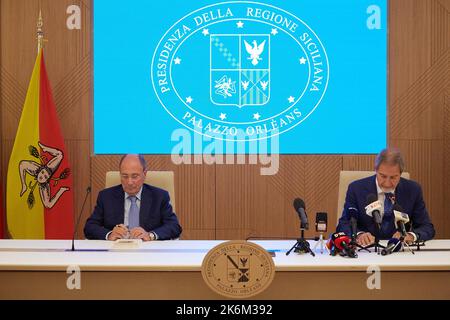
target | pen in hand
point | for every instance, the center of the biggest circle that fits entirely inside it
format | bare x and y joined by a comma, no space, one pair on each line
123,231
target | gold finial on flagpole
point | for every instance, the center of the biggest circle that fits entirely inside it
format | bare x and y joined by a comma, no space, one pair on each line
40,33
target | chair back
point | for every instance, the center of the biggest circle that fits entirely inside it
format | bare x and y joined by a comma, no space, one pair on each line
347,177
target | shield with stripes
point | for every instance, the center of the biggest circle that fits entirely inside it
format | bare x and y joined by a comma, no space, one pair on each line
240,69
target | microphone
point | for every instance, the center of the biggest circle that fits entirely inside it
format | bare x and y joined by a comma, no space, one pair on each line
354,229
299,206
353,222
394,245
88,190
321,221
400,219
302,245
331,247
342,243
321,227
373,209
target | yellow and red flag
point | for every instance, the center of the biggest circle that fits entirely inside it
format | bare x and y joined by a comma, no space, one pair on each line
39,190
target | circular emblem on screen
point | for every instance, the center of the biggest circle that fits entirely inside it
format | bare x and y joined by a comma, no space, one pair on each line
238,269
240,71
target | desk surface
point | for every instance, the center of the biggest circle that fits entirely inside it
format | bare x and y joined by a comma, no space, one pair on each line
186,255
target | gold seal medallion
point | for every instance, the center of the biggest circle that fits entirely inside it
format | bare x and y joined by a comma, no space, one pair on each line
238,269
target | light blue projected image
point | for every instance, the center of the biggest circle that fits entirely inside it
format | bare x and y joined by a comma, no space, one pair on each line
297,76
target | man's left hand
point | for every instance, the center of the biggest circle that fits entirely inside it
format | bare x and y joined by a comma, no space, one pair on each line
408,239
139,233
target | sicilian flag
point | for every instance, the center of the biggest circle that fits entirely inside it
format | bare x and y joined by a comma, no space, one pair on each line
39,192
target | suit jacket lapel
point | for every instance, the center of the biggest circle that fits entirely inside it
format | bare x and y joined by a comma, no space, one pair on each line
372,186
119,204
146,202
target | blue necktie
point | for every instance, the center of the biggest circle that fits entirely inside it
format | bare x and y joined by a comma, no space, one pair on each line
133,215
388,225
388,203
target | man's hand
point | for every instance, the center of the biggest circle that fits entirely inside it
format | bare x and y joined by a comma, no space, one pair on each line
139,233
408,239
364,239
120,231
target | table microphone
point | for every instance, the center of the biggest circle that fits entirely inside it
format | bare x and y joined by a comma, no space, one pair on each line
373,209
300,208
401,219
353,223
88,190
331,247
342,243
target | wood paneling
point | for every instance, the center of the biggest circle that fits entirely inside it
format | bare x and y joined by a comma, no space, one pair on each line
446,163
234,201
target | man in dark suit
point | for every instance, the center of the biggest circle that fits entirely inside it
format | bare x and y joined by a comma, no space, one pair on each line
133,209
388,188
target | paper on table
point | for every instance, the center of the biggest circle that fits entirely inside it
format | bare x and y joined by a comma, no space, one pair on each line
126,244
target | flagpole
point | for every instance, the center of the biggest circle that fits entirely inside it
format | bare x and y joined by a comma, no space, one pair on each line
40,33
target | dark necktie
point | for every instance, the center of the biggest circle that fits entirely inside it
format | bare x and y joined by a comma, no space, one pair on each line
133,215
388,202
388,225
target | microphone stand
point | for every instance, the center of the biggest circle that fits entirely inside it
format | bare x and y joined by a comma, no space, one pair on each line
404,243
354,232
88,190
376,244
301,246
355,244
321,244
419,243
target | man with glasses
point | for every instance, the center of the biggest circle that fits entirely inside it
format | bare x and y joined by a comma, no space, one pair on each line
388,188
133,209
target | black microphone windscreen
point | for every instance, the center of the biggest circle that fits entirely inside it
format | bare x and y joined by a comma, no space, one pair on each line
371,198
299,203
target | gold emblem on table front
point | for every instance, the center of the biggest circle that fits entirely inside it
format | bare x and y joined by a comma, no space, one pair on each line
238,269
